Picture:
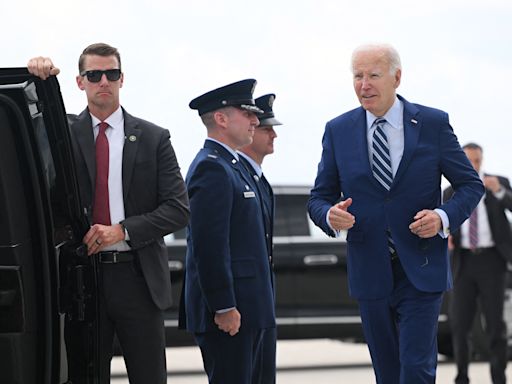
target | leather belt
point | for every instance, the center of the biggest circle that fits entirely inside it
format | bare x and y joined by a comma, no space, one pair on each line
478,251
114,257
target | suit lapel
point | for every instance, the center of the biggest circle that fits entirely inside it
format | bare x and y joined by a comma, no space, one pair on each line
412,128
82,129
132,136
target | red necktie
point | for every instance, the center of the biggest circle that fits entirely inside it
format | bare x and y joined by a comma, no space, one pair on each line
101,211
473,229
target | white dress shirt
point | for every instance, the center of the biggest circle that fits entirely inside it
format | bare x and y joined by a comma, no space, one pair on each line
484,229
115,136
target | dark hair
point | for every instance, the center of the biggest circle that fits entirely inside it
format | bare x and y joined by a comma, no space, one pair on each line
473,146
99,49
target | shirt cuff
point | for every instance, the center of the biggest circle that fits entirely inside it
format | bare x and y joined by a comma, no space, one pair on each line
500,194
225,310
445,230
336,232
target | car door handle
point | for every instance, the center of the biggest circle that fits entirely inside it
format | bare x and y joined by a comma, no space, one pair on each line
175,265
7,297
314,260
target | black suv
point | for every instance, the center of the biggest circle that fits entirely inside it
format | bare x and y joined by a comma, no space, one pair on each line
312,298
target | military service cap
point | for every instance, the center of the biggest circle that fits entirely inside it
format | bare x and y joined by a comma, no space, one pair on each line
237,94
265,103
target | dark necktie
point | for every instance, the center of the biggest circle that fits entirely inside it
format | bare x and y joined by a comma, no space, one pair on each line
101,211
381,166
473,229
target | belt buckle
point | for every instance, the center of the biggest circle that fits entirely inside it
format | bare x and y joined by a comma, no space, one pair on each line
113,259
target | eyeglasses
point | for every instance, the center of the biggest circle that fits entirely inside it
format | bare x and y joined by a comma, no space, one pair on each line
95,75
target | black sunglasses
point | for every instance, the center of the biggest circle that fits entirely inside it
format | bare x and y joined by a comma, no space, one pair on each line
95,75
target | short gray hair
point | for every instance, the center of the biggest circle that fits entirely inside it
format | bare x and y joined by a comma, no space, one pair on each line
389,53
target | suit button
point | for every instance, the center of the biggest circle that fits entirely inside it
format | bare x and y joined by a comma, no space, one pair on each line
387,199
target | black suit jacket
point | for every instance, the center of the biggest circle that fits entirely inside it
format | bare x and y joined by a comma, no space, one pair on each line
498,222
154,193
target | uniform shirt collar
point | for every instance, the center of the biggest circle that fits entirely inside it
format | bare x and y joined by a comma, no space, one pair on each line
255,165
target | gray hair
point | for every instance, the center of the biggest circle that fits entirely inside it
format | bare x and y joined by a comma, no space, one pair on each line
388,52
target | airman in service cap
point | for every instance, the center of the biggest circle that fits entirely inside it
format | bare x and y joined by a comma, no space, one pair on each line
237,94
265,103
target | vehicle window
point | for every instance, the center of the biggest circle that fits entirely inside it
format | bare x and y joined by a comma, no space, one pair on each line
291,217
53,176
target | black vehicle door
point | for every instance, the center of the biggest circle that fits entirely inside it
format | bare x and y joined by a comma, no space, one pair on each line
48,327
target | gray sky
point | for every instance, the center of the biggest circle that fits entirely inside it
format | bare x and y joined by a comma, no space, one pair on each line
456,56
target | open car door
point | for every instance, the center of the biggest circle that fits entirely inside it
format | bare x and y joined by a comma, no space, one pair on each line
48,306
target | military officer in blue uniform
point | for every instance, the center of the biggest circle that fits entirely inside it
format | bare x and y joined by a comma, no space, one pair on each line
228,300
252,156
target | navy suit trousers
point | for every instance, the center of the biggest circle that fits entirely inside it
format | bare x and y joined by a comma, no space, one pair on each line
401,332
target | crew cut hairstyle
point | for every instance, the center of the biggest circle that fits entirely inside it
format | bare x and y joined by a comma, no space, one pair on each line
99,49
473,146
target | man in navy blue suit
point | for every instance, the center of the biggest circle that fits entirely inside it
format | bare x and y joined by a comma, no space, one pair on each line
252,156
380,178
228,300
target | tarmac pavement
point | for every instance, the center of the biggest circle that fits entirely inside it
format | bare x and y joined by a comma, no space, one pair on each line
303,362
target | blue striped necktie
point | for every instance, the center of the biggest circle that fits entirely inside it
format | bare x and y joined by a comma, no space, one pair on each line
381,167
381,160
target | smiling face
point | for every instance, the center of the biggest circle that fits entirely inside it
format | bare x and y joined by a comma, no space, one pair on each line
375,83
103,96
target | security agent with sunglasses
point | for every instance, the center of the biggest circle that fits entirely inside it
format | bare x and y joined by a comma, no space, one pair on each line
131,183
227,300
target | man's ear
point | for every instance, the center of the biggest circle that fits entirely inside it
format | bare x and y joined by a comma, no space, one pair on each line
398,76
80,82
221,118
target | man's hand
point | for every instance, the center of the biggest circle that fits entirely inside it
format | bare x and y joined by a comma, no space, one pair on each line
229,321
427,223
339,217
99,236
42,67
492,183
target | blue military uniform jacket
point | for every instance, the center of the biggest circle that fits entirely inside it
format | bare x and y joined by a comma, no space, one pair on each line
227,261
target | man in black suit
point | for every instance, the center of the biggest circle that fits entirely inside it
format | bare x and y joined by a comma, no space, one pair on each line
481,249
131,184
252,156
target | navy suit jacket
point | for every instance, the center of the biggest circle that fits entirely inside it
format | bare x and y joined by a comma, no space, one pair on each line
227,261
431,150
154,194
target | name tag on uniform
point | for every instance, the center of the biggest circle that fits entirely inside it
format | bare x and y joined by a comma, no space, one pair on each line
249,194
